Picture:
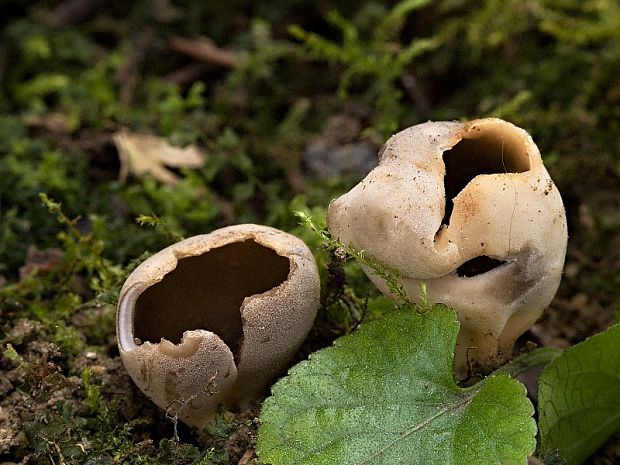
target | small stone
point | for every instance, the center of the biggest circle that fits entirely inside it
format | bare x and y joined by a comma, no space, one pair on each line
324,160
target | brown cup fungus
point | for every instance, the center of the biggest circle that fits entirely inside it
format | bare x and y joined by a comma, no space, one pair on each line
470,210
214,318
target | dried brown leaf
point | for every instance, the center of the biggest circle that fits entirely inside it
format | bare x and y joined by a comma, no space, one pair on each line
143,154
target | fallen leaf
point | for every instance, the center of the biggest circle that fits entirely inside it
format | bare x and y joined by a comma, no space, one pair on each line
143,154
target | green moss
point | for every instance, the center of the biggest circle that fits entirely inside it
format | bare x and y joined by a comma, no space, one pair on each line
550,66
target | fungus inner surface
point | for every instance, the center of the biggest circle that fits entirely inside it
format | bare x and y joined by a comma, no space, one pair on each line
478,265
491,148
206,292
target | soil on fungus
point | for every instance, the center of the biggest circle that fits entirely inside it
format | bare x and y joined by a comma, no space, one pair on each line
283,127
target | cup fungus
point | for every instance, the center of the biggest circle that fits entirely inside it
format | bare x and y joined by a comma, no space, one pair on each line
470,210
214,318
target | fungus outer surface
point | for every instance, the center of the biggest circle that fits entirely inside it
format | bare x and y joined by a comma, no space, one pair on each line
212,319
469,210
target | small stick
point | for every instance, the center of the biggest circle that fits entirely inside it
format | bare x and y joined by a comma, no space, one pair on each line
203,49
246,458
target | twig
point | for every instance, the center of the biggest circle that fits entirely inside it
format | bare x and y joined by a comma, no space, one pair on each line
187,74
246,458
58,451
203,49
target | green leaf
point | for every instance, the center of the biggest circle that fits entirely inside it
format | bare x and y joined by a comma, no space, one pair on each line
579,397
385,394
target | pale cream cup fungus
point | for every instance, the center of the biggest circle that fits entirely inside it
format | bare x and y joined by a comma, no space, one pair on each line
214,318
470,210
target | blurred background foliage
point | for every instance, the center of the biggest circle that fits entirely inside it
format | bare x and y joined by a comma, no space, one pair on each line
265,88
73,73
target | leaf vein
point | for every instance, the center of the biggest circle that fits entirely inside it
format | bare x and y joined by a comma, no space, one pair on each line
448,408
